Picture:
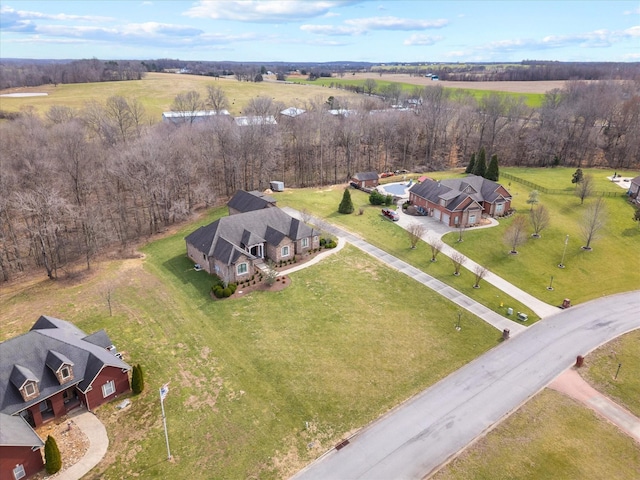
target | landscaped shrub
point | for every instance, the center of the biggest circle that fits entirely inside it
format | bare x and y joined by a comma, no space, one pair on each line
388,200
322,242
330,244
137,380
52,458
218,291
226,293
233,287
376,198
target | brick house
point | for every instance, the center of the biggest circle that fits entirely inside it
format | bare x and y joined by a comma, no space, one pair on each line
234,247
20,455
460,201
47,372
365,179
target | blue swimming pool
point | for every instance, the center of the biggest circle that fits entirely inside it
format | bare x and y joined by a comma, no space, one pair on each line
395,188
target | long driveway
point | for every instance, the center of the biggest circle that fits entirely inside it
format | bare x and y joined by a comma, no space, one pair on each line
420,435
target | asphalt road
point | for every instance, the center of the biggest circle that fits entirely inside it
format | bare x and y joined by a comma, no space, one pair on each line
423,433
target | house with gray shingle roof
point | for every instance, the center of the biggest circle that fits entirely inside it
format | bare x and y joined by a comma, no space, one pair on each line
20,455
47,372
365,179
234,247
460,201
243,202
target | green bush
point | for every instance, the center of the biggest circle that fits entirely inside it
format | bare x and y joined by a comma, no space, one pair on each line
322,242
376,198
218,291
52,458
346,205
226,293
388,200
233,287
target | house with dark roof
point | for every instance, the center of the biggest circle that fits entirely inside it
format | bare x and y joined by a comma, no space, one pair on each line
243,201
634,187
365,179
460,201
20,455
234,247
45,373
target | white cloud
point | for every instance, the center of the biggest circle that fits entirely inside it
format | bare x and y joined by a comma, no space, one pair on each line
26,14
263,12
635,11
419,39
359,26
632,32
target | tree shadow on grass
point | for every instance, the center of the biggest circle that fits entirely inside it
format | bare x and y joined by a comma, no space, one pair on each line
631,232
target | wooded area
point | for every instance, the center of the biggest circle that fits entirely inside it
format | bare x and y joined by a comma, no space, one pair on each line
75,182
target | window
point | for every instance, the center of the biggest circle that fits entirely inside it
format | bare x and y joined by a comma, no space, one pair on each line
65,373
242,268
499,207
472,219
108,388
456,220
29,389
305,242
285,251
19,472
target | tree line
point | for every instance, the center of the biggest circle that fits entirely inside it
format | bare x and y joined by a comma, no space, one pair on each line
75,182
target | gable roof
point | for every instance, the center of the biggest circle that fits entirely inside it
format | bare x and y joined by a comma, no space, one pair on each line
230,237
33,356
248,201
455,191
362,176
636,180
255,120
16,432
292,112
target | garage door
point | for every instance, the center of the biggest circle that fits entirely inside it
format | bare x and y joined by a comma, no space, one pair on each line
445,218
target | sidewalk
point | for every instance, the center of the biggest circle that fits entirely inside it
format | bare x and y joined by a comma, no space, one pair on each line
435,231
572,384
98,444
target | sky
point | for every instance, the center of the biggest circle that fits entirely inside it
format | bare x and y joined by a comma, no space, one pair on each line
323,30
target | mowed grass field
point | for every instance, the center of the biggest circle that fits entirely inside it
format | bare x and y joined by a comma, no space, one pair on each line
611,267
553,437
156,92
259,385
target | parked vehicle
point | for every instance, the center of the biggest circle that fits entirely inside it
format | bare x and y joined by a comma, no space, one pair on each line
391,214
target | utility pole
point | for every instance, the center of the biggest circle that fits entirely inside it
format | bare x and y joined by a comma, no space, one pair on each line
566,240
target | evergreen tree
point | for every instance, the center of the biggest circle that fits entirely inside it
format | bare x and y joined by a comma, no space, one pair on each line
577,176
52,458
472,164
493,172
137,380
346,205
480,167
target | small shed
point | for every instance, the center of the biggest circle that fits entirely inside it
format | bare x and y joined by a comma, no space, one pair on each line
277,186
634,187
365,179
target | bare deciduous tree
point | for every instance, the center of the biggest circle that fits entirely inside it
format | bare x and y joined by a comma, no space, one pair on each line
216,98
188,103
539,218
480,272
584,188
515,235
415,231
436,248
593,221
458,259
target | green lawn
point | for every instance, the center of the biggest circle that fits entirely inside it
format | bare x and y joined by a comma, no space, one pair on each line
156,92
246,374
388,236
605,270
552,436
602,367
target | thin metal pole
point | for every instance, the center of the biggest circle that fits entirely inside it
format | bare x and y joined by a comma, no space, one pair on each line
164,422
617,371
566,240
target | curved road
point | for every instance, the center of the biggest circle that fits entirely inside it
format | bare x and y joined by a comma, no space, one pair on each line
420,435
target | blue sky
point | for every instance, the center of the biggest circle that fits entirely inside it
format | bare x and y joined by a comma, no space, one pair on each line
323,30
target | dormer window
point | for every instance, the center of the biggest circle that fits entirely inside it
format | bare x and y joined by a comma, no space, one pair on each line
65,373
30,389
61,366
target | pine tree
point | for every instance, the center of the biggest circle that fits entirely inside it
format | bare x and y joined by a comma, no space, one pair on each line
472,164
137,380
52,458
493,172
577,176
480,167
346,205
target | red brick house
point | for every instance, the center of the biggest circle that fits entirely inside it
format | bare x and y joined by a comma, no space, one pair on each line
460,201
45,373
365,179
